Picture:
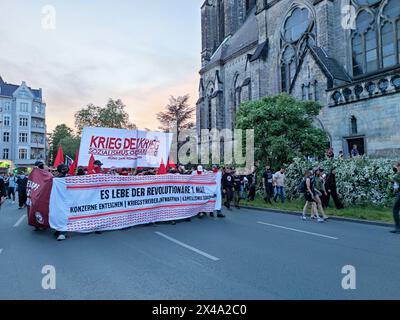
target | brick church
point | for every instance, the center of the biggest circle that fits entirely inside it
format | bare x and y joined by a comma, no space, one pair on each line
345,54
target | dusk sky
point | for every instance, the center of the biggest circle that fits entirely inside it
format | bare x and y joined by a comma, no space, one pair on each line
139,51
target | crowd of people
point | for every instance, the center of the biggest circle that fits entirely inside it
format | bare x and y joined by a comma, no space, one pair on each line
317,187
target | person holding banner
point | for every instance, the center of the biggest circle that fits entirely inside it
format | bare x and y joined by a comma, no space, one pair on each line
218,204
62,170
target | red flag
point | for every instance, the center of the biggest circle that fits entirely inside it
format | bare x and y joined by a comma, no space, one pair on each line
91,165
72,169
162,169
171,163
60,157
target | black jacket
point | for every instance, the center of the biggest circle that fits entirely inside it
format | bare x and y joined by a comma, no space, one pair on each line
227,181
2,188
22,183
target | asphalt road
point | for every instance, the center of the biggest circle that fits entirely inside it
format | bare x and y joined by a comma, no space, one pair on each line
248,255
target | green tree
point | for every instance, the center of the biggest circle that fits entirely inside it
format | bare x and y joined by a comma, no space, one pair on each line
283,129
113,115
59,133
70,145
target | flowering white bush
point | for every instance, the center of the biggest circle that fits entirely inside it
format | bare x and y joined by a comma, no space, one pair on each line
359,181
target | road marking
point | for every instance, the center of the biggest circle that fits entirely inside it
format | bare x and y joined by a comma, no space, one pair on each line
300,231
16,225
188,247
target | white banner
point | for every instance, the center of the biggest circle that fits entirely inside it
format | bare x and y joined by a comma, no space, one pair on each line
105,202
124,148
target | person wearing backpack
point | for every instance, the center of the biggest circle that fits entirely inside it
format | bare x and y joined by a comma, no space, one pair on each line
308,185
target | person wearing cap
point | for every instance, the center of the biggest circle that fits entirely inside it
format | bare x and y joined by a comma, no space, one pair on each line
39,164
97,167
198,171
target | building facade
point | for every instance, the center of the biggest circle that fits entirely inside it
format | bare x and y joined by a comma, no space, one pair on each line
22,124
345,54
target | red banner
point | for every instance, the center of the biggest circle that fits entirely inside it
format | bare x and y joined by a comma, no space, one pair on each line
39,187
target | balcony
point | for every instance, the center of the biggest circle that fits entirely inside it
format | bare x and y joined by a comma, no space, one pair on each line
38,129
363,90
38,115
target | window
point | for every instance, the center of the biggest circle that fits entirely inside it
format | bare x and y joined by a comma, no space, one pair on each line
388,45
381,25
6,137
288,68
365,57
23,154
296,24
7,121
298,31
209,114
23,122
23,138
6,154
23,107
7,106
354,127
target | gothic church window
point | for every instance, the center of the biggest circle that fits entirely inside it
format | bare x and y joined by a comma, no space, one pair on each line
209,114
297,32
376,40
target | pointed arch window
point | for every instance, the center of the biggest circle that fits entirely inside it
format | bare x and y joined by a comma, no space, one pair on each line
288,68
209,114
365,45
298,31
376,40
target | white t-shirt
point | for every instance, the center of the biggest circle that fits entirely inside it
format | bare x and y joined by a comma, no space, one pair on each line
279,179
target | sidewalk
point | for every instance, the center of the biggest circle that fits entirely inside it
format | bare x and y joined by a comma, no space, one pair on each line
334,218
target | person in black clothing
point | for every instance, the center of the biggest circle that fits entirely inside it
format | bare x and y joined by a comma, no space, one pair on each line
268,177
331,189
252,178
237,183
62,171
228,187
22,182
3,192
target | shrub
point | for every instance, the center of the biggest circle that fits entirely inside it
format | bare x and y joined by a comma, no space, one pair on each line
359,181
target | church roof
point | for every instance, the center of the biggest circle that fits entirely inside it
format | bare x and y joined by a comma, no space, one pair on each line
331,66
244,37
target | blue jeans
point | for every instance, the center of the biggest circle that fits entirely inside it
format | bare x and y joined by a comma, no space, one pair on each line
280,192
